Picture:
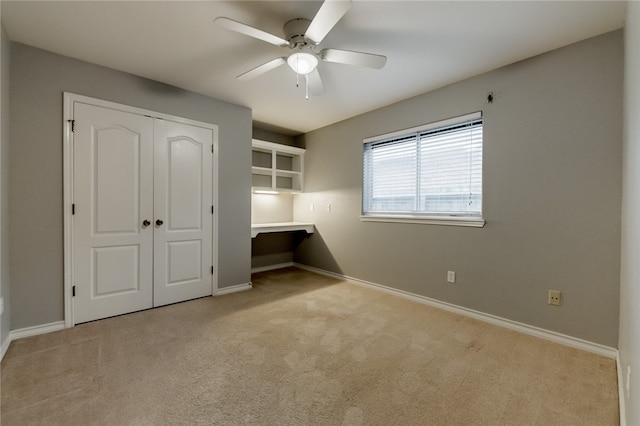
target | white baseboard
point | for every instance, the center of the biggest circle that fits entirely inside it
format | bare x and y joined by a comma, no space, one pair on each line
36,329
5,347
271,267
28,332
492,319
233,289
621,392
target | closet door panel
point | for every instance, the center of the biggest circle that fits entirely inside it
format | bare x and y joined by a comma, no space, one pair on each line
183,218
113,250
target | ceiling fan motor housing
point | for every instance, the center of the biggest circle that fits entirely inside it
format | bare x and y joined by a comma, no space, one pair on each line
294,31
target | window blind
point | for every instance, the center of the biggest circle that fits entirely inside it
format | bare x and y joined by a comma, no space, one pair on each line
435,170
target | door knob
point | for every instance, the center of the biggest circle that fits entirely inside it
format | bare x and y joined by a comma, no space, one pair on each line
159,222
146,222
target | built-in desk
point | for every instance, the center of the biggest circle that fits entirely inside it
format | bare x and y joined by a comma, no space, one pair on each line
258,228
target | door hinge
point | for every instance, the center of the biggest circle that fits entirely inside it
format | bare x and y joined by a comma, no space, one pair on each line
73,125
73,291
211,209
73,209
212,270
212,149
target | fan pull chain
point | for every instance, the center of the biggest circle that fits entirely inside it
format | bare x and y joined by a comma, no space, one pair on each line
307,88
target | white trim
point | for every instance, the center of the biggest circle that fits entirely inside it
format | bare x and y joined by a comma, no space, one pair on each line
553,336
67,137
37,329
233,289
621,392
72,97
216,209
5,346
272,146
441,220
67,194
28,332
271,267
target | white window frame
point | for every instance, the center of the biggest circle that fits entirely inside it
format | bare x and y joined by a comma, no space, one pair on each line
455,219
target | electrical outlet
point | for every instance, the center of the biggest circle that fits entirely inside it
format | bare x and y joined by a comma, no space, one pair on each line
328,208
554,297
451,277
311,207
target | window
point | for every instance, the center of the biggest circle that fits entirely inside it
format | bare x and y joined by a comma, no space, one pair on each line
431,173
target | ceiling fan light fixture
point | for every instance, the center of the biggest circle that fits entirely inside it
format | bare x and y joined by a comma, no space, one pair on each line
302,62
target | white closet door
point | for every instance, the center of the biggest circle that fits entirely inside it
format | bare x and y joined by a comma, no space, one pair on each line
112,184
182,206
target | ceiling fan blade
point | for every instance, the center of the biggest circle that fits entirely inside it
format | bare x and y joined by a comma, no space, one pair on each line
245,29
327,17
353,58
316,88
275,63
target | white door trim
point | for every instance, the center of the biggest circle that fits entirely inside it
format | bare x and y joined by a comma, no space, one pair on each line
67,152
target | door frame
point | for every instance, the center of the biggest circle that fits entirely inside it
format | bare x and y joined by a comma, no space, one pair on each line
69,100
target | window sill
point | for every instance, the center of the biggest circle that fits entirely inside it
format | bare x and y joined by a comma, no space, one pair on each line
433,220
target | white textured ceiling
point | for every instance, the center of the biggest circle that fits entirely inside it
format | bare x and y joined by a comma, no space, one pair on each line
429,44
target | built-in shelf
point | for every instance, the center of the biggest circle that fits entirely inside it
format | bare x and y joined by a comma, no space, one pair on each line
276,167
259,228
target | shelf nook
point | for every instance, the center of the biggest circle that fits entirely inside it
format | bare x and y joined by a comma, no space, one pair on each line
276,167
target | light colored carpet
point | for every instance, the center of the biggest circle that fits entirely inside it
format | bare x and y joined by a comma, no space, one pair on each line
302,349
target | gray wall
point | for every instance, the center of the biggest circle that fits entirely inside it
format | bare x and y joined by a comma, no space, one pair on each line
38,80
630,270
272,249
5,321
552,194
271,136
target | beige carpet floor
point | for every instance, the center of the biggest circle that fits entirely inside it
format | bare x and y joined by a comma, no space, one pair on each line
302,349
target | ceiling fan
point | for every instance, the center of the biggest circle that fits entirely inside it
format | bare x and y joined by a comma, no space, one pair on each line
302,37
